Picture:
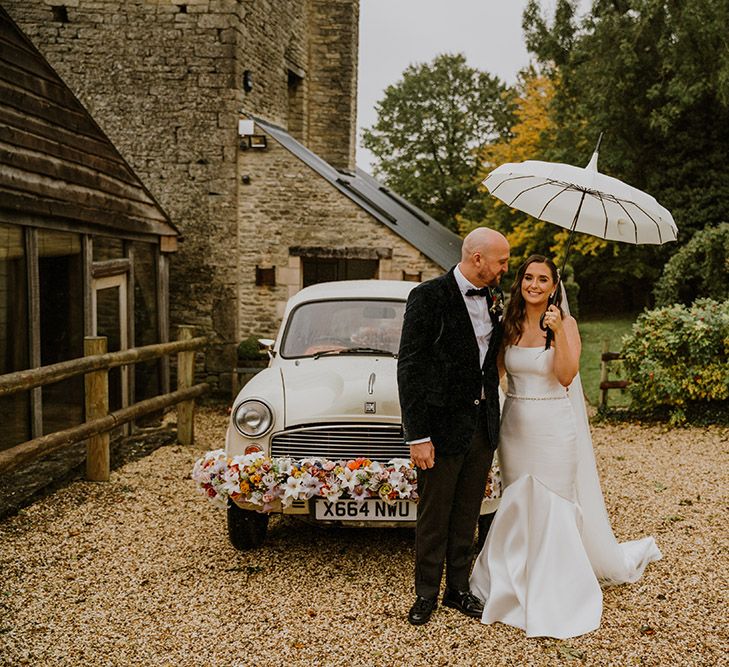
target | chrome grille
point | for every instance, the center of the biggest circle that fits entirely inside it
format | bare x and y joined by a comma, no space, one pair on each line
375,442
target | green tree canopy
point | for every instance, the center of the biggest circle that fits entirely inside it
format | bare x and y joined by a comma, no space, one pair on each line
430,128
653,75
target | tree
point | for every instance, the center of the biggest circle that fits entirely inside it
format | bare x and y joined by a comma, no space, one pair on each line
698,269
430,127
654,76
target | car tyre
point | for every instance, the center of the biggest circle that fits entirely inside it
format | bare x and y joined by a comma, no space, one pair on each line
246,529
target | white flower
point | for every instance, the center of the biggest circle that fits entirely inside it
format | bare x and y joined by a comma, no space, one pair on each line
333,492
243,460
292,488
374,467
404,488
310,485
285,465
359,494
395,478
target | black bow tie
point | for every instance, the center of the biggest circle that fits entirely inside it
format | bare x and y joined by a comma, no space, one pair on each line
484,291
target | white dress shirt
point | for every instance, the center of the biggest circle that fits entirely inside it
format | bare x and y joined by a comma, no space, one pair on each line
478,311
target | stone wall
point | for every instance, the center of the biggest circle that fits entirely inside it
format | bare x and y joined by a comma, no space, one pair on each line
288,204
334,29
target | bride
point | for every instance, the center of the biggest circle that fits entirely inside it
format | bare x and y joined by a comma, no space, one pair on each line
550,545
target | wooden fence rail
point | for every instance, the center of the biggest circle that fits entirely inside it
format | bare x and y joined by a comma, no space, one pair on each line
99,422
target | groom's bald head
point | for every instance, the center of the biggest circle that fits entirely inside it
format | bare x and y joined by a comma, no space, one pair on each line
484,256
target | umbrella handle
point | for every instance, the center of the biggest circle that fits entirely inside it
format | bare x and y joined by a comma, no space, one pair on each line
550,334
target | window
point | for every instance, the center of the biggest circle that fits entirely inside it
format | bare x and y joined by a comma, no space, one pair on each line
331,326
295,105
326,269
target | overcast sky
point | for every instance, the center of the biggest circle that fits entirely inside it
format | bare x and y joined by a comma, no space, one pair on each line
396,33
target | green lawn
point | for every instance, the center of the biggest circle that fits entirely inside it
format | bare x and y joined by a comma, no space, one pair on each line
594,331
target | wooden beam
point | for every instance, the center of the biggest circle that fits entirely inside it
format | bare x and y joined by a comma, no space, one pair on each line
110,267
28,451
36,377
34,349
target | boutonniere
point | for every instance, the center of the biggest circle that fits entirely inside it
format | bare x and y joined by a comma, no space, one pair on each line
497,303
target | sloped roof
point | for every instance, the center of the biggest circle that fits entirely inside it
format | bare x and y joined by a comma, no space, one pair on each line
55,161
426,234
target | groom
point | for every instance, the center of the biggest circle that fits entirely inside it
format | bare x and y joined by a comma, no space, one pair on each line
448,384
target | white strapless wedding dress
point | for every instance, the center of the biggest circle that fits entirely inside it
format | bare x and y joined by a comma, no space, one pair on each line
550,545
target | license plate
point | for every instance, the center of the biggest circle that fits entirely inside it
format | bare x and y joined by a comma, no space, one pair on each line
371,509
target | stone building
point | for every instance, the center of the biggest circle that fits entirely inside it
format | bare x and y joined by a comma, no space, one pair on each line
240,117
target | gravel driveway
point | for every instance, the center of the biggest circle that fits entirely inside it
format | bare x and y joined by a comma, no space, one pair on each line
138,571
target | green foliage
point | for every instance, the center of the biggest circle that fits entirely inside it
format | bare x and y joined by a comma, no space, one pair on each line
249,349
678,356
430,127
699,269
593,333
654,76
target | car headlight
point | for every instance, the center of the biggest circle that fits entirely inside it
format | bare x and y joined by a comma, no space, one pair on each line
253,418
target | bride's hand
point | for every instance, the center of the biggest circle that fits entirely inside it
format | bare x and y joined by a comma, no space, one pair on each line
553,319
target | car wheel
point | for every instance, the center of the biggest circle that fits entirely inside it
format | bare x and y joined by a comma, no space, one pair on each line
246,529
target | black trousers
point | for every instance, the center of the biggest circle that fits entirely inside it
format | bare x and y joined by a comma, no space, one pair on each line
450,499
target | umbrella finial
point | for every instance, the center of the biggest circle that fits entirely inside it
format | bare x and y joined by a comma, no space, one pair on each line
592,164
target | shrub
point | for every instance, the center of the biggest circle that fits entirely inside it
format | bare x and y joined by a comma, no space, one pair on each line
249,349
678,356
698,269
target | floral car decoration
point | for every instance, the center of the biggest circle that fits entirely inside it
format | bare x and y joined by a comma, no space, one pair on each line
262,481
318,435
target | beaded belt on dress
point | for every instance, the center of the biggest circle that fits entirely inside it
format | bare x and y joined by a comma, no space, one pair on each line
535,398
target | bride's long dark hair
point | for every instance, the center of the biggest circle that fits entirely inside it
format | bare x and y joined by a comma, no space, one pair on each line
516,308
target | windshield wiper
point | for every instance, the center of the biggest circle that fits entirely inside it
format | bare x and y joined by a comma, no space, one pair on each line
355,350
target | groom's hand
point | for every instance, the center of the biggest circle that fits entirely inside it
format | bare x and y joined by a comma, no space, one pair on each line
422,454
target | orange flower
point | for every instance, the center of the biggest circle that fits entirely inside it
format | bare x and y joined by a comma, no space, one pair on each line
358,463
244,488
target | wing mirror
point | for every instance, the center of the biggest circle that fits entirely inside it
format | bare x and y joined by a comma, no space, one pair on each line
267,345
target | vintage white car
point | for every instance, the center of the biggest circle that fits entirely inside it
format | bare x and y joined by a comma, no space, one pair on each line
329,395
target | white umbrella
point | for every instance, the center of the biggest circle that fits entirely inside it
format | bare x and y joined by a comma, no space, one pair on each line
582,200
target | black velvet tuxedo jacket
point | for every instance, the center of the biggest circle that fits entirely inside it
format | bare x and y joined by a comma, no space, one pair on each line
438,372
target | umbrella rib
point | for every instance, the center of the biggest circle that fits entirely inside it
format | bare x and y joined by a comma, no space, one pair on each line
604,210
549,201
650,217
506,180
619,202
534,187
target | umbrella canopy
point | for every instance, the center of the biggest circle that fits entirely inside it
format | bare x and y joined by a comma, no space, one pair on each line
582,200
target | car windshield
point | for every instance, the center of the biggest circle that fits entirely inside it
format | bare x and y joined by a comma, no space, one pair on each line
356,326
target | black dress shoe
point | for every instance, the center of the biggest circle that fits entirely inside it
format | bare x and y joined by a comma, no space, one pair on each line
465,601
421,610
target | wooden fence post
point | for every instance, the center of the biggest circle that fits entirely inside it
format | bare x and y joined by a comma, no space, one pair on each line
185,379
97,405
603,374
